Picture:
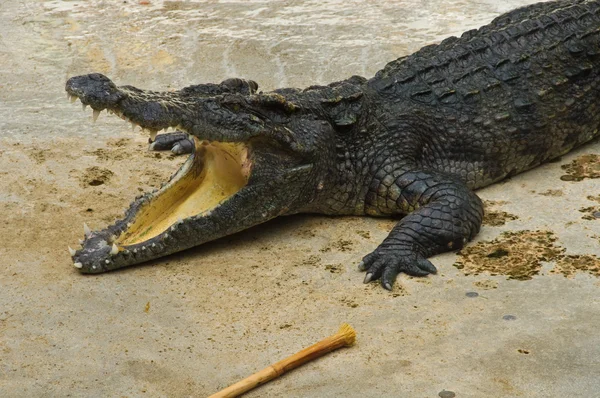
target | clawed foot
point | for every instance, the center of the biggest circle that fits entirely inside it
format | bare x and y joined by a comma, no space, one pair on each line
176,142
385,263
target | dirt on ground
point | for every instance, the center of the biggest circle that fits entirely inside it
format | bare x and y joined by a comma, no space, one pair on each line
520,255
591,213
585,166
494,217
552,192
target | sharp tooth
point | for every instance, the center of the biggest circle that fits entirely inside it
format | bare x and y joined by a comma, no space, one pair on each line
81,242
133,126
71,251
83,106
73,98
86,230
153,134
114,249
78,265
95,115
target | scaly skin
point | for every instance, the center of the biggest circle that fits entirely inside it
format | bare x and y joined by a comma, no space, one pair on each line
415,140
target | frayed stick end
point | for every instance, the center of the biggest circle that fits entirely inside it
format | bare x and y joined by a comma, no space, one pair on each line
348,334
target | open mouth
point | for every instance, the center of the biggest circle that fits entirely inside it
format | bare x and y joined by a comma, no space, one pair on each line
211,176
213,173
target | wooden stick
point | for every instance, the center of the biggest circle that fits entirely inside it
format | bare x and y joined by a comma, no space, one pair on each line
344,337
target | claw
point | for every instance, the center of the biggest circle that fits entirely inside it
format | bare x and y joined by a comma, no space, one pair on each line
387,286
427,266
177,149
368,278
361,266
86,230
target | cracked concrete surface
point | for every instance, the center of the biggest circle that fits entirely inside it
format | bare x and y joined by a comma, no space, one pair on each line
193,323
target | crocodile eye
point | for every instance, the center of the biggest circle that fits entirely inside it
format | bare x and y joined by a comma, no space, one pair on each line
232,102
241,85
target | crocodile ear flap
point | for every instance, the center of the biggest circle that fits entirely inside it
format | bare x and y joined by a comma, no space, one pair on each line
240,86
274,101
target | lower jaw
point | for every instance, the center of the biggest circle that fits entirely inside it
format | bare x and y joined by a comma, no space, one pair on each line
174,217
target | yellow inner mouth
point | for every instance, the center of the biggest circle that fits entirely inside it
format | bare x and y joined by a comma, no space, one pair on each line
217,171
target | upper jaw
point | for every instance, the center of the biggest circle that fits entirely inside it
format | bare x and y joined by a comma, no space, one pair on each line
197,114
223,117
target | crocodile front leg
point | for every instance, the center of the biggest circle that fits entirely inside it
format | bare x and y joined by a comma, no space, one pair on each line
443,215
177,142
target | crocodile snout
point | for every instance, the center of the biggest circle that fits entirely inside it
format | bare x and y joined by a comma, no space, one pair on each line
95,90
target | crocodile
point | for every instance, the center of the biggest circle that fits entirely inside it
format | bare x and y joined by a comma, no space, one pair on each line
413,142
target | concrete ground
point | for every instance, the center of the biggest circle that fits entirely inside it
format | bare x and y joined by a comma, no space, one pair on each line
514,315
